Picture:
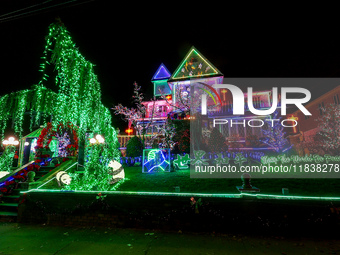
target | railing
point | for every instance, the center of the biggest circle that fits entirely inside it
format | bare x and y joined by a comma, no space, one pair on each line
124,139
255,155
48,178
228,109
9,176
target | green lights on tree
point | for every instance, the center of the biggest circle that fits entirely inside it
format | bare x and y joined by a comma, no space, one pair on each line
76,99
6,158
38,101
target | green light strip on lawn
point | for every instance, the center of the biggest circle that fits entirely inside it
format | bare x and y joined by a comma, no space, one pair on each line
267,196
140,193
236,195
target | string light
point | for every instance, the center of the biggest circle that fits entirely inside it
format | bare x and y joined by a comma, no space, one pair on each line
10,141
77,99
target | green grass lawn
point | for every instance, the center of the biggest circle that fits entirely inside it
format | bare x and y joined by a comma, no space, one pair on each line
166,181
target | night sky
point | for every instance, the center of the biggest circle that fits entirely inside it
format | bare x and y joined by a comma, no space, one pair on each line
128,42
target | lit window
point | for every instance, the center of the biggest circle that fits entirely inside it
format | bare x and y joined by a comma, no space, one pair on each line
321,108
336,99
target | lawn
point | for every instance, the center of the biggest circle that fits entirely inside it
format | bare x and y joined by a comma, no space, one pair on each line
167,181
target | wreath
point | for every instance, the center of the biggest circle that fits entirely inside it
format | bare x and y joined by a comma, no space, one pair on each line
66,135
45,137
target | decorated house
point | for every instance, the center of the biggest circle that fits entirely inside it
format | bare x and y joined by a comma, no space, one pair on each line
173,100
308,125
158,111
320,132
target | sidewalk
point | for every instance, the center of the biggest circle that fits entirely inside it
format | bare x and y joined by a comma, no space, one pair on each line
43,239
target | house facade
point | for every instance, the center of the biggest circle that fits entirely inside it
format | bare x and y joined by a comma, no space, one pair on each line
173,93
307,126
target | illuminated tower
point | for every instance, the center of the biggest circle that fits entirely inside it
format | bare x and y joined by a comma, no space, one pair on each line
160,81
193,67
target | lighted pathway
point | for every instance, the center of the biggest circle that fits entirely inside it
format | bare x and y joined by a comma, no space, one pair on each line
41,239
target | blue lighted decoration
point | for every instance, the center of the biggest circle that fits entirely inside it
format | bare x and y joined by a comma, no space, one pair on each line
161,73
160,81
156,160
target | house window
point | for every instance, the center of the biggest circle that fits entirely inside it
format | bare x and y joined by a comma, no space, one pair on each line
321,108
257,131
256,102
241,131
233,131
249,130
151,110
225,130
336,99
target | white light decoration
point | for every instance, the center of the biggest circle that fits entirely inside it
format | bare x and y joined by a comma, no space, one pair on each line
100,139
97,139
3,173
63,178
11,141
117,171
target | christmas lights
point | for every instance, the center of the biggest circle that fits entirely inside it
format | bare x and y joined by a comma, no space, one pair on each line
6,158
194,65
77,98
207,195
155,160
161,73
182,162
274,136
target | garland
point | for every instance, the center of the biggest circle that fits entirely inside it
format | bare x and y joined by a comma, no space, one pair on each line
45,137
66,135
11,183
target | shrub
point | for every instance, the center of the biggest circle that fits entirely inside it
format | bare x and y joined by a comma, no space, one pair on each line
134,147
253,141
217,142
182,136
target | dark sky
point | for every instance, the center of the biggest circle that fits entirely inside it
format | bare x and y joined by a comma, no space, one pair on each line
127,43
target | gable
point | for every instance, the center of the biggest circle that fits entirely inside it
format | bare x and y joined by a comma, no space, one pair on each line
194,65
161,73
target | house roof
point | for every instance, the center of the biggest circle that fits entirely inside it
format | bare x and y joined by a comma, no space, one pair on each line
162,73
194,65
33,134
